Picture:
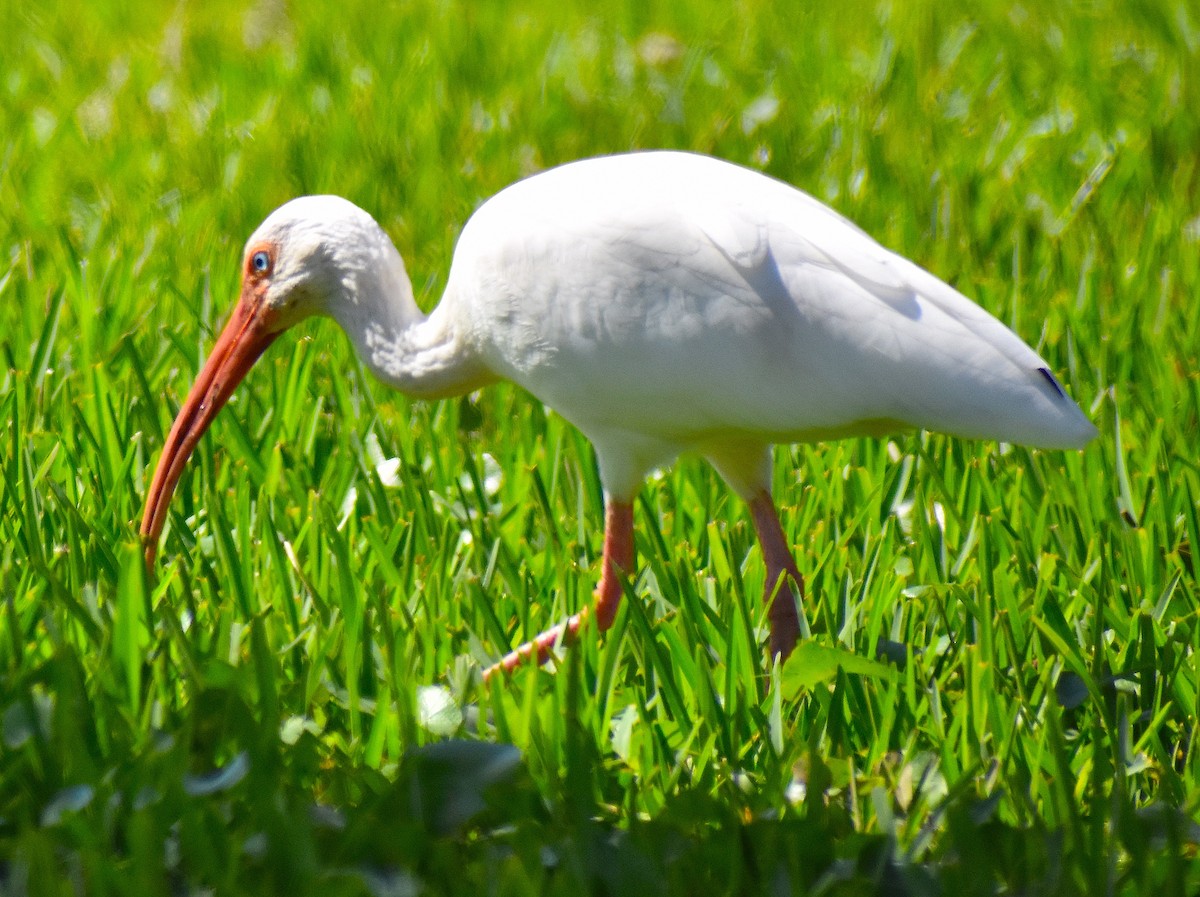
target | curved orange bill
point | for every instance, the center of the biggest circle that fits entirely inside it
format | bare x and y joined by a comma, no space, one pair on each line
246,336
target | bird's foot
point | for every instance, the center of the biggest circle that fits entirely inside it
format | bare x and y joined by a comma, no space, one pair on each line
538,650
618,556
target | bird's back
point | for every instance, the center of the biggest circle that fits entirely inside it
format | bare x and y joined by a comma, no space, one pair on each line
679,296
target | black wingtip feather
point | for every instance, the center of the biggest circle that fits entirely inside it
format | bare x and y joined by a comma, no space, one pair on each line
1045,372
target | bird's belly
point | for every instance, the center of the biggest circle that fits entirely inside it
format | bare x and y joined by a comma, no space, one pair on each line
689,390
676,365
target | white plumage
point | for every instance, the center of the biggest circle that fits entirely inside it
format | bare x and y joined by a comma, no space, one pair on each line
662,302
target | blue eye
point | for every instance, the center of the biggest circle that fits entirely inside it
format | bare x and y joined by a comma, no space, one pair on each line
260,262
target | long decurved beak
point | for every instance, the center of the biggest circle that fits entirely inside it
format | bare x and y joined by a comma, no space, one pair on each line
246,336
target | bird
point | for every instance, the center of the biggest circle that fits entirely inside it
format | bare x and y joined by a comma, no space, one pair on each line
662,302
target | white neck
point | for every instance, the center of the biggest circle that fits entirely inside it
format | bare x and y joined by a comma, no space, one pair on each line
423,356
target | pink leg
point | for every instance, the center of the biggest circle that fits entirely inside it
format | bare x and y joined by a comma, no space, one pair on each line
618,559
785,621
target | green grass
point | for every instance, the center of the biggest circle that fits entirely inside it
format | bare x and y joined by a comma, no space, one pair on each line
270,712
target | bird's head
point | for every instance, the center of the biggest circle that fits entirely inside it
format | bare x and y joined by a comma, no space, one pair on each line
308,256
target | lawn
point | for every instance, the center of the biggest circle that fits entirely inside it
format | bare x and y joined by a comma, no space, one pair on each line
999,694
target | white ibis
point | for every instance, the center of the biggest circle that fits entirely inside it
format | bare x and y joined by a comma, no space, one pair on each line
662,302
